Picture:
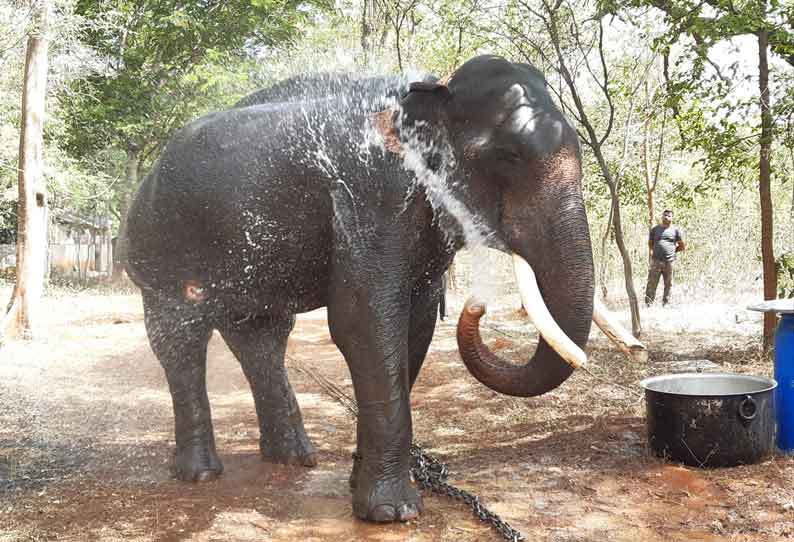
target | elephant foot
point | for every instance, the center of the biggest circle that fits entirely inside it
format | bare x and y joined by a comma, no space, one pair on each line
386,500
289,451
197,463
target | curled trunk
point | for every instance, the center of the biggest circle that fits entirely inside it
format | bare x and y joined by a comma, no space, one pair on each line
564,269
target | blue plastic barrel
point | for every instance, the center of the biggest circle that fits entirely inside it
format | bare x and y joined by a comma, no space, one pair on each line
784,374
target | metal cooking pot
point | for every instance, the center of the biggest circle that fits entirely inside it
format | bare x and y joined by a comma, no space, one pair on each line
710,420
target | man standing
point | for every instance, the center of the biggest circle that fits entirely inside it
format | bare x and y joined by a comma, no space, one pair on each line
664,241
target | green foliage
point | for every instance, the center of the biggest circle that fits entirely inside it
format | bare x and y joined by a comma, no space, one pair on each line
783,109
157,54
785,275
452,37
632,187
8,221
63,174
727,146
161,63
129,73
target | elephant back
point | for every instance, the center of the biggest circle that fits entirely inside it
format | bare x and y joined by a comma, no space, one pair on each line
362,94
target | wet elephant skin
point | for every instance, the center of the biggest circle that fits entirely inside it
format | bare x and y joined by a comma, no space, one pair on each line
292,201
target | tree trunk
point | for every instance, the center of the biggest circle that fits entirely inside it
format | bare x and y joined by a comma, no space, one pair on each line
765,191
108,250
628,274
366,30
77,246
452,280
595,144
650,182
617,224
21,318
603,268
130,185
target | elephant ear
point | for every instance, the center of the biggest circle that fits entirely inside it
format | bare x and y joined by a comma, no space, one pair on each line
435,88
387,122
424,110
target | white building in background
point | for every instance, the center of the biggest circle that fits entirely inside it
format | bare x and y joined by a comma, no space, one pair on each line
77,247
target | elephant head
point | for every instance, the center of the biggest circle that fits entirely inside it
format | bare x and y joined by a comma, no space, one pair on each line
512,161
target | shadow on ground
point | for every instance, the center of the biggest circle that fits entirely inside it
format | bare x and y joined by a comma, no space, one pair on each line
86,440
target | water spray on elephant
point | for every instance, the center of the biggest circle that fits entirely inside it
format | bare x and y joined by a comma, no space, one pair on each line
367,235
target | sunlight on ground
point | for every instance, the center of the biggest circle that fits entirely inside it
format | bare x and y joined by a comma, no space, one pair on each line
86,437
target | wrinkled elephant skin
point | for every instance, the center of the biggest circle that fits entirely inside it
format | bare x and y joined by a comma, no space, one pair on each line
315,193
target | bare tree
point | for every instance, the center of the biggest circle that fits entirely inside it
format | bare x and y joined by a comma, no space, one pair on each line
765,188
651,172
556,55
31,251
132,173
708,23
397,13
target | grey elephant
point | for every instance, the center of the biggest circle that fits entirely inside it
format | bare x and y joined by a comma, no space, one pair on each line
299,199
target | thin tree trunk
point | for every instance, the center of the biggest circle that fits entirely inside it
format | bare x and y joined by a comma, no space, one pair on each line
603,270
131,184
650,181
765,191
452,281
366,30
652,173
78,245
21,318
595,144
397,46
108,248
647,163
628,274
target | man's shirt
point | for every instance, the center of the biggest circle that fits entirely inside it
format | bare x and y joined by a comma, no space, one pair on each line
664,241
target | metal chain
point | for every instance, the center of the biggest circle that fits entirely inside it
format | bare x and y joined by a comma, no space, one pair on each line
427,471
430,473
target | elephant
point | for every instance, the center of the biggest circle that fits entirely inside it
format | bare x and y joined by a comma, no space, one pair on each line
356,197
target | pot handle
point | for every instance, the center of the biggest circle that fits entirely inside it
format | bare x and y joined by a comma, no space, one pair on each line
748,409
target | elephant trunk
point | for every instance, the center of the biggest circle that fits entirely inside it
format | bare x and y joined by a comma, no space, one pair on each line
560,304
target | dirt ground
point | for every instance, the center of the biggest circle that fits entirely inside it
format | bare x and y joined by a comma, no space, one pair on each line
86,439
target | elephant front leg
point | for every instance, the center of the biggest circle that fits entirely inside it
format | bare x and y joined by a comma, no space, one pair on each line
372,337
260,352
178,335
424,309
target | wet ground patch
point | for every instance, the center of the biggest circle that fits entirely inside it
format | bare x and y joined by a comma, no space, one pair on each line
86,443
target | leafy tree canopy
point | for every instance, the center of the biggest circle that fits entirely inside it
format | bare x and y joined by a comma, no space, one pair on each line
151,47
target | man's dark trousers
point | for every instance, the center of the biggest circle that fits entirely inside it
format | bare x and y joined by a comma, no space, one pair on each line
665,269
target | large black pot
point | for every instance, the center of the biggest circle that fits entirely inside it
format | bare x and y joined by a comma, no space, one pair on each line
710,420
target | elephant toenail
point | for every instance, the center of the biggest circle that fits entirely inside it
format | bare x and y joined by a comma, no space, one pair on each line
407,512
206,476
309,460
382,513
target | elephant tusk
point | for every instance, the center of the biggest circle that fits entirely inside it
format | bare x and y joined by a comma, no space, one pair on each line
542,318
616,333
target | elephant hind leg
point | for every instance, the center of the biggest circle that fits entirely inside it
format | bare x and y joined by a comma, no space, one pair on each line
260,348
178,334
